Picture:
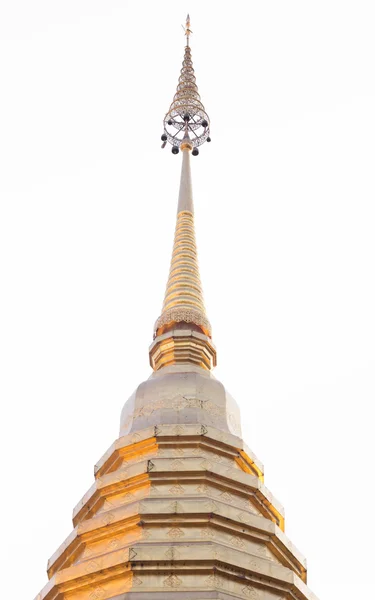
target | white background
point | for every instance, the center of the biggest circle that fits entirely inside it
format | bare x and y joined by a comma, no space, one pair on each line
284,200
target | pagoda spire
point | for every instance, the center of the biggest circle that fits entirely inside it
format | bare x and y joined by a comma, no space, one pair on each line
186,126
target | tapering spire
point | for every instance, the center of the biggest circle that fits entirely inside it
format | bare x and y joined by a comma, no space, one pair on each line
186,126
183,301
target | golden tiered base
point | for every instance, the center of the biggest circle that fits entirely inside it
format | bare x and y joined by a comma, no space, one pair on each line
177,510
180,346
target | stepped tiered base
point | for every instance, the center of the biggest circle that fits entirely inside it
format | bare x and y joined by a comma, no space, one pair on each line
177,511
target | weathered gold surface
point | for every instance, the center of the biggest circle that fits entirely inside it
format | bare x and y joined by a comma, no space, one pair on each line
181,395
177,508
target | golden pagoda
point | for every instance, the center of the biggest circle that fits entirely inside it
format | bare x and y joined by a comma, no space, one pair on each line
178,508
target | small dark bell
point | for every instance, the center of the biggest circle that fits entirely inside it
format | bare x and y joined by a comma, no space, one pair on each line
204,123
175,150
164,137
170,122
186,117
208,139
195,152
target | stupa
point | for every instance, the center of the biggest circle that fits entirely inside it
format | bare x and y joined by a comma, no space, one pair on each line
178,509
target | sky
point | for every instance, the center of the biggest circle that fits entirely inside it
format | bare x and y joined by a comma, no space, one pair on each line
284,199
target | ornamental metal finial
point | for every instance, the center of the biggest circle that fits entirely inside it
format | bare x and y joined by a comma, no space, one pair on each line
187,29
186,123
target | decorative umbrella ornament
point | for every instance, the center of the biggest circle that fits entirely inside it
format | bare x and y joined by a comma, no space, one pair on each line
186,121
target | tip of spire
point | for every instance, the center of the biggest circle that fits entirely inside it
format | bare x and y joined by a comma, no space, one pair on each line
187,29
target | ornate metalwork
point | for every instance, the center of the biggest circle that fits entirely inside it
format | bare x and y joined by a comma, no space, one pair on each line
186,120
187,315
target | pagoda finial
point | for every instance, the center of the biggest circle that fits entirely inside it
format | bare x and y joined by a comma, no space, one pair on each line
186,119
187,29
183,331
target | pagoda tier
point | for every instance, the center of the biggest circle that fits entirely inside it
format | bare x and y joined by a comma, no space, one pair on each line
178,507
